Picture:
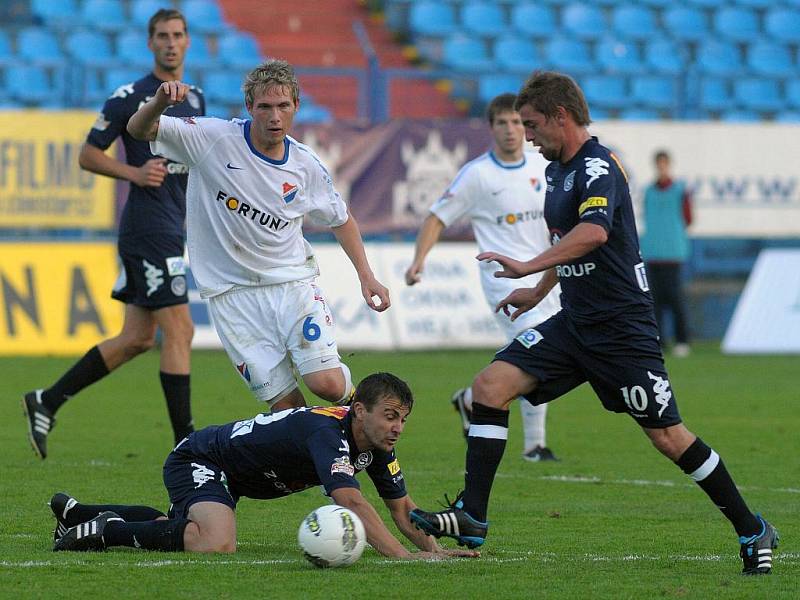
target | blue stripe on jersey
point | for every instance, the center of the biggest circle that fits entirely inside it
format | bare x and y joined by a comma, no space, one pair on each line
310,153
466,168
262,156
508,165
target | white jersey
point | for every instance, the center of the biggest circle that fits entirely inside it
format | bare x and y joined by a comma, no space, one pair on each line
505,203
244,211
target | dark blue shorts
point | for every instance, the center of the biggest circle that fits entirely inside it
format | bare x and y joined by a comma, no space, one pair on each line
621,359
189,480
153,271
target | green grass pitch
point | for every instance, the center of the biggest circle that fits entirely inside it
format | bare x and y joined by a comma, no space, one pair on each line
613,519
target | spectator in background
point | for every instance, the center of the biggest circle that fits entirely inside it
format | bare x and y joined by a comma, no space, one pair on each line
152,281
665,247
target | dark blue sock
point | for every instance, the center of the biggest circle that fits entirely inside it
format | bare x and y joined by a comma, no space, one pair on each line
485,447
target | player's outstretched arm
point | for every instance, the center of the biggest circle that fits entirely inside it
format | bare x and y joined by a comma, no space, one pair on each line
143,125
378,536
399,509
150,174
427,237
349,238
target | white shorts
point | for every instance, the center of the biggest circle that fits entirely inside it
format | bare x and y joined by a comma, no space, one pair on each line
268,331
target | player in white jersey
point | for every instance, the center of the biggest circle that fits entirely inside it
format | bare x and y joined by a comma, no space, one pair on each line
502,193
250,186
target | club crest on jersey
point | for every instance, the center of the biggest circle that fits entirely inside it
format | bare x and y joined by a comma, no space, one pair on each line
243,371
537,185
569,181
289,192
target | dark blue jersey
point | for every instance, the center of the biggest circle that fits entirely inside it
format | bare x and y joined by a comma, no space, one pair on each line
610,280
148,209
276,454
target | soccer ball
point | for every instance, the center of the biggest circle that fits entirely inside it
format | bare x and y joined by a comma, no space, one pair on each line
332,536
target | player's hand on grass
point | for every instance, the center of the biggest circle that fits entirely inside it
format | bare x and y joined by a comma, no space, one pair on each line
522,300
413,274
370,288
151,173
458,553
170,93
512,268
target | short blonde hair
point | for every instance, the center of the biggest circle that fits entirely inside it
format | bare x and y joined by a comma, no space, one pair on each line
272,72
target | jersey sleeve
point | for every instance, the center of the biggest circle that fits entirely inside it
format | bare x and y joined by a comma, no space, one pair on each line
387,477
182,139
599,193
331,456
459,198
110,122
327,208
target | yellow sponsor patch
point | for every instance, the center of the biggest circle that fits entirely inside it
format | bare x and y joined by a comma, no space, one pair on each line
338,412
591,203
394,467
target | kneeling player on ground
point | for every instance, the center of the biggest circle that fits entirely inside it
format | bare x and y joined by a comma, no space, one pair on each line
269,456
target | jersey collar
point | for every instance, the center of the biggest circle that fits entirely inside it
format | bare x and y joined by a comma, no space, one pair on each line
264,157
505,165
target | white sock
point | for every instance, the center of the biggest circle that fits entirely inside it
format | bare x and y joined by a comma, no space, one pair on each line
468,398
533,424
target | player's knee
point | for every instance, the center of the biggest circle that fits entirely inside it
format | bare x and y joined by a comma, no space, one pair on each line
484,391
334,385
139,342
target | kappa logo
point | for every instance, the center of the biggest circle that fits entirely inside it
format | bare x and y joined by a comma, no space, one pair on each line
595,167
154,277
662,391
243,371
289,192
555,237
202,474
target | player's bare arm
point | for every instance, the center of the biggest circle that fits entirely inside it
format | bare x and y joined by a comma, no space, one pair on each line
349,237
428,235
524,299
399,509
143,125
581,240
150,174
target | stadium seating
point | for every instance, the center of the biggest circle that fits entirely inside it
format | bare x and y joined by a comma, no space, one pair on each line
755,3
640,114
490,86
483,19
106,15
205,15
535,20
758,94
237,49
584,21
685,23
432,18
793,93
719,58
223,87
783,24
654,91
6,52
736,23
570,55
30,84
665,57
199,52
464,53
39,46
90,48
605,91
715,94
118,76
772,60
55,13
740,116
634,22
516,55
788,116
618,56
141,11
129,49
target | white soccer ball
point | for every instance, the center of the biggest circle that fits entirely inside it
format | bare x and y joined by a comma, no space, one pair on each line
332,536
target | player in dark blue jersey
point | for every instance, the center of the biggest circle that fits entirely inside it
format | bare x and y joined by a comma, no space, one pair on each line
605,334
269,456
152,282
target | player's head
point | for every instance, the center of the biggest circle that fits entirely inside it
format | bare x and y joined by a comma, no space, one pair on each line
380,407
272,97
506,124
662,161
551,104
168,39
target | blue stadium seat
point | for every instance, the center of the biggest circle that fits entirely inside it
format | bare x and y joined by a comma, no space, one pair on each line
534,20
793,93
199,52
55,13
238,49
490,86
634,22
584,21
618,56
736,23
106,15
569,55
29,84
756,3
758,94
783,24
432,18
598,114
221,111
132,49
788,116
311,112
89,48
654,92
142,10
605,91
708,3
657,3
204,16
665,56
740,116
39,46
715,94
466,54
685,23
516,54
640,114
6,53
117,76
772,60
224,87
483,18
719,58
